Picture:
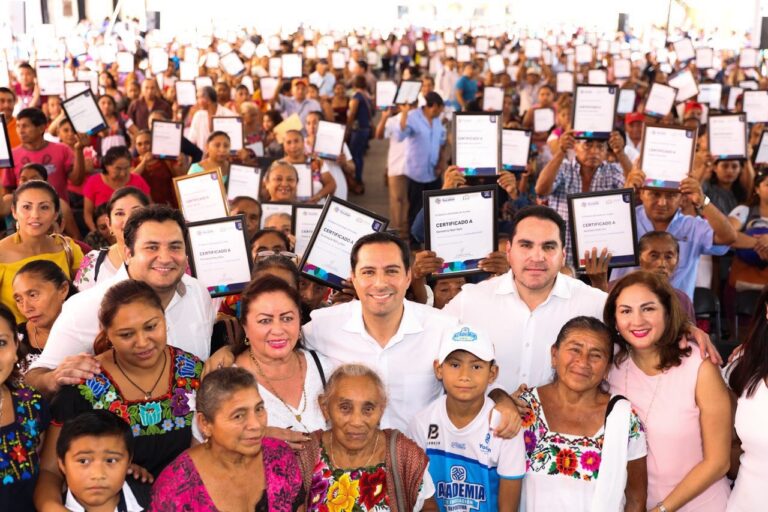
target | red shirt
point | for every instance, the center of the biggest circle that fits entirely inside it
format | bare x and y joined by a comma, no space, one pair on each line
58,160
99,192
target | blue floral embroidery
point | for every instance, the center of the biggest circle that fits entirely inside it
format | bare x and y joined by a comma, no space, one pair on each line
19,458
98,385
186,366
150,414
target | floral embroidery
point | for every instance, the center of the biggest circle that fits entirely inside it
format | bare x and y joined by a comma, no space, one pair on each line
359,490
560,454
172,412
19,441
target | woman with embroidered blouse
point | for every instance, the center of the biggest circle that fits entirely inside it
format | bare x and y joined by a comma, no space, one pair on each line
143,380
237,467
585,448
23,420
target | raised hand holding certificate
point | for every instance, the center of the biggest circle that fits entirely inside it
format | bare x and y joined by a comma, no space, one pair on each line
408,92
543,119
244,180
50,77
593,111
231,64
341,224
515,149
385,94
626,102
166,139
329,140
291,65
660,100
604,220
219,256
6,154
761,152
232,126
201,196
83,113
186,93
493,99
304,218
685,84
728,136
477,146
666,155
756,106
461,227
565,82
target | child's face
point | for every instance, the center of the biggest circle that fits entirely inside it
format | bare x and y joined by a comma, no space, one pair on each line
465,376
95,468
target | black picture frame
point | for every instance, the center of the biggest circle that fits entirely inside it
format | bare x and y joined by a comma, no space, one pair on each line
471,172
6,140
666,185
89,93
743,117
614,89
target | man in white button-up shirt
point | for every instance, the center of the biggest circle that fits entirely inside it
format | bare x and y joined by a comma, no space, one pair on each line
155,254
524,309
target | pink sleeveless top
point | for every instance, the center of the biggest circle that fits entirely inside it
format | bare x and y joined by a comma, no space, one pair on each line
667,407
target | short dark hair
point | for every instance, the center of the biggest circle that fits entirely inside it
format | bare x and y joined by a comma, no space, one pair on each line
433,98
381,238
539,212
128,291
125,192
153,213
271,231
38,185
35,116
650,236
219,385
38,168
210,93
96,423
276,261
6,90
114,154
359,82
217,133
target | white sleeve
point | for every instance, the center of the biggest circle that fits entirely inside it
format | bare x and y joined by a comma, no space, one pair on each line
415,432
427,490
741,213
454,307
73,332
512,458
637,447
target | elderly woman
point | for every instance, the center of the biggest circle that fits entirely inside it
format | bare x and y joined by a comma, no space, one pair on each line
237,467
355,465
680,398
585,448
323,182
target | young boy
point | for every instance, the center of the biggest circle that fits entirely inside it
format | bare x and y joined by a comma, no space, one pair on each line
472,469
94,452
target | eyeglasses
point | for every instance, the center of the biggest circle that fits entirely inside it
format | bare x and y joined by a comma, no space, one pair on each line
285,254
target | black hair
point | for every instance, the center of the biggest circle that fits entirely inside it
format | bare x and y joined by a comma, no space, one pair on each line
210,93
114,154
38,185
650,236
271,231
96,423
6,90
275,116
752,367
217,133
739,192
359,82
35,116
125,192
381,238
539,212
7,315
276,261
433,98
38,168
111,100
99,211
154,213
124,293
48,271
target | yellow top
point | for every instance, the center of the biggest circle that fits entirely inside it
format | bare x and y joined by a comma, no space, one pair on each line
8,272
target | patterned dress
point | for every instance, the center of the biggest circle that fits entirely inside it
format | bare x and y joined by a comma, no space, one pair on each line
563,468
162,426
19,445
180,488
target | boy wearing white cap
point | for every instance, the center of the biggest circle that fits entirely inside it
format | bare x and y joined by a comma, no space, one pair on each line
472,469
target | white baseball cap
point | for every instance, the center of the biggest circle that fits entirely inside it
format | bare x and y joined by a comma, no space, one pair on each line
464,337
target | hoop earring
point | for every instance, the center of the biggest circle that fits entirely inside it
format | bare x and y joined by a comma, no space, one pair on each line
246,341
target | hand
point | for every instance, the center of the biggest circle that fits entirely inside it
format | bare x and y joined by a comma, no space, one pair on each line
692,188
222,358
508,181
341,159
616,143
139,473
522,407
510,422
567,141
243,155
495,263
147,159
635,179
453,178
736,353
597,267
296,440
76,369
82,141
425,263
346,294
706,347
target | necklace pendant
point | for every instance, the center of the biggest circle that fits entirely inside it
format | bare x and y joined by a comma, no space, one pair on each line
298,417
147,396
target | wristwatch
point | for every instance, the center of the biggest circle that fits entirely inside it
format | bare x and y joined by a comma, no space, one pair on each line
699,209
660,505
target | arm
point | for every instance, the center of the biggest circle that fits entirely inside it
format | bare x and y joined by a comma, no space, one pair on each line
47,495
636,490
509,494
460,97
616,143
329,187
77,175
379,133
424,264
715,419
354,104
724,234
511,422
88,208
548,174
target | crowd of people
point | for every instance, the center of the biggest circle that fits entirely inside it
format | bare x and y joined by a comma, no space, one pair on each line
523,386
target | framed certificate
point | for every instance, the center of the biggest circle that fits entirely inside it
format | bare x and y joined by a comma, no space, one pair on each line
463,53
748,58
685,84
341,224
125,62
684,50
533,48
584,54
231,64
733,95
711,94
493,99
565,82
50,77
268,86
338,61
201,196
407,92
622,68
304,218
83,113
166,139
594,109
6,153
203,81
604,220
219,256
515,149
477,143
329,140
704,58
75,87
186,93
626,103
496,64
386,90
244,180
597,77
756,106
158,60
543,119
460,227
304,186
277,208
760,156
232,126
666,155
660,100
291,65
728,136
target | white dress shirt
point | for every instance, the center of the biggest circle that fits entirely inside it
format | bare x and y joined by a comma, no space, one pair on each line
200,126
522,337
131,505
404,363
189,321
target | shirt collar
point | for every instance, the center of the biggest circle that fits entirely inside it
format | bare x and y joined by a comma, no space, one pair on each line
560,289
409,323
131,505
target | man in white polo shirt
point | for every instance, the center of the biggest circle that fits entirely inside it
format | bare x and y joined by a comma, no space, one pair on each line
155,254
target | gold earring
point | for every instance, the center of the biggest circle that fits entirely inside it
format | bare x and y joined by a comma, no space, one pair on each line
247,342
